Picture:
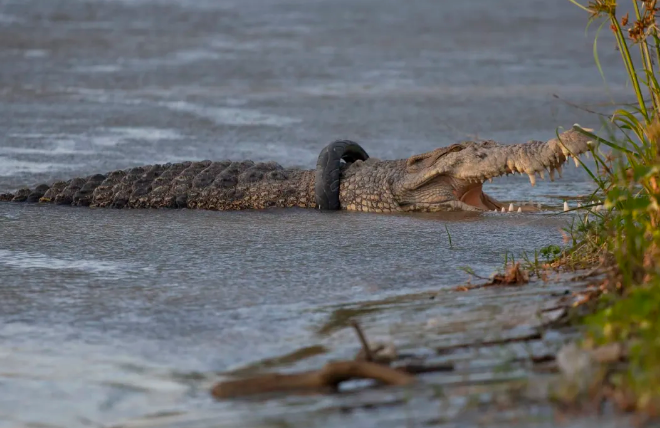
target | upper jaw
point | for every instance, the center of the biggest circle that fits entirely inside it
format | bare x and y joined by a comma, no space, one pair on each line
480,162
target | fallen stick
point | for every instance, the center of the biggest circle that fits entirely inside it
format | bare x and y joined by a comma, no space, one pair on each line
528,337
368,356
426,368
327,378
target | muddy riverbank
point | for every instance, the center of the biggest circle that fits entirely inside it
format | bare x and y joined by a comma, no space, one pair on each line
494,364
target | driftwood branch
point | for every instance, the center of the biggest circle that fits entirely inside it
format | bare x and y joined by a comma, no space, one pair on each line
327,378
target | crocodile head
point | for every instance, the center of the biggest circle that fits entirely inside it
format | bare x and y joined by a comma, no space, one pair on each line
452,177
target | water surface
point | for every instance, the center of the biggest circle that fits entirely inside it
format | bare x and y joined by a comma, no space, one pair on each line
108,316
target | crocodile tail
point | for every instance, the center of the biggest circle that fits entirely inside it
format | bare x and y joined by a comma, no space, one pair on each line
138,187
77,191
328,171
25,194
223,185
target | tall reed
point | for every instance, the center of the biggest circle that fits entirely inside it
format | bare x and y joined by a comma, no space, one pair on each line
628,174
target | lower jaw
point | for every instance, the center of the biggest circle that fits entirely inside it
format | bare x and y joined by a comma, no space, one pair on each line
487,203
490,203
477,198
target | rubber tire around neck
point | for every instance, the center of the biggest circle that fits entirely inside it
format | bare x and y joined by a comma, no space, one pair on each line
328,171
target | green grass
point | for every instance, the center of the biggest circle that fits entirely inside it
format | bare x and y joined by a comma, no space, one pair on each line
627,235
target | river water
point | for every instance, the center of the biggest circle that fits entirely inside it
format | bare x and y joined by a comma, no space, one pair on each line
108,317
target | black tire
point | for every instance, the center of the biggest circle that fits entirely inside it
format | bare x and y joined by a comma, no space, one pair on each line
328,171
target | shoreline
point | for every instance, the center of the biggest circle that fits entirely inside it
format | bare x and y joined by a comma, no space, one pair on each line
506,350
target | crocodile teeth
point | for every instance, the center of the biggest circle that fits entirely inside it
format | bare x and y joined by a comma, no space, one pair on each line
519,209
541,175
503,210
490,180
510,207
559,171
577,162
532,179
552,174
565,206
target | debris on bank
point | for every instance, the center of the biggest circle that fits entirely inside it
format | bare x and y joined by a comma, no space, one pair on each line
513,275
370,363
511,352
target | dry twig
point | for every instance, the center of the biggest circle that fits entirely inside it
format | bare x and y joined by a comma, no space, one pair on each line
368,356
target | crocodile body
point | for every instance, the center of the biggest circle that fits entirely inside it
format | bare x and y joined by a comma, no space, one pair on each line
448,178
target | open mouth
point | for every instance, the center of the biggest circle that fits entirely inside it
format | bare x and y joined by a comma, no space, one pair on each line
485,161
452,178
471,193
474,196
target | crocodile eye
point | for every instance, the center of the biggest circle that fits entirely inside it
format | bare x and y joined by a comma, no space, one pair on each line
488,144
425,160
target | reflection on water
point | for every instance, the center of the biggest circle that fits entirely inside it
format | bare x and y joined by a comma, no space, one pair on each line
113,315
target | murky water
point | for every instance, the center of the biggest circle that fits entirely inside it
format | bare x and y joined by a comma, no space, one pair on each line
108,316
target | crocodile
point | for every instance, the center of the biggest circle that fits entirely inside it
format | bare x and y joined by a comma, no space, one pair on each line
447,178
